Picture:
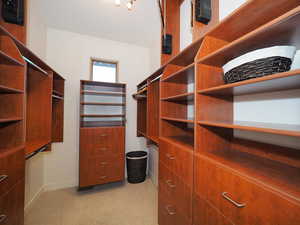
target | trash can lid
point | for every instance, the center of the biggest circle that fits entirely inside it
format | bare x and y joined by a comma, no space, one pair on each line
136,155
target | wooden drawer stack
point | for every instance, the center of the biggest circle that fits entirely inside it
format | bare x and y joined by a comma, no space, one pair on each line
175,184
102,136
101,155
12,187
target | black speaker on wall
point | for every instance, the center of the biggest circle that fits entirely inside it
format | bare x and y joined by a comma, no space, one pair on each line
203,11
13,11
167,44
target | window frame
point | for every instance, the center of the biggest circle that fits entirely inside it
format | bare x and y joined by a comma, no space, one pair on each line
92,60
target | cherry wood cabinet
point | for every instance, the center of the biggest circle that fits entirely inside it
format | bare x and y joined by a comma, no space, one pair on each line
12,205
102,133
28,119
207,175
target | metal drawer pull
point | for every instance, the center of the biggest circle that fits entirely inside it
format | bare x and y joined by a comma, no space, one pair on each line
170,157
170,212
170,184
103,135
103,163
103,149
239,205
3,178
2,218
103,177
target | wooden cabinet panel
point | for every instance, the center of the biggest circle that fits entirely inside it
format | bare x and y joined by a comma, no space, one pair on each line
12,206
177,190
12,166
205,214
262,205
102,155
178,160
168,213
102,141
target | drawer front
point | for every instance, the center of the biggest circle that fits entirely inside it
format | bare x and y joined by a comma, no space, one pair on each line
12,167
205,214
12,206
168,214
177,160
102,141
101,171
176,190
221,187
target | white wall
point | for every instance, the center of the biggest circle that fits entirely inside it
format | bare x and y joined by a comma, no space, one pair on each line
228,6
70,53
36,41
186,35
277,107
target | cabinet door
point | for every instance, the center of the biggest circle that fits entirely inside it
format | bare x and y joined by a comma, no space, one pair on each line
206,214
177,190
12,169
221,186
12,206
178,160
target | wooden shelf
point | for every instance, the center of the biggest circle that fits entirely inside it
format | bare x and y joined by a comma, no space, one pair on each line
35,67
280,129
8,60
187,73
102,124
102,103
10,120
277,176
7,90
103,93
182,97
281,31
276,82
188,120
154,139
36,145
99,115
142,133
181,141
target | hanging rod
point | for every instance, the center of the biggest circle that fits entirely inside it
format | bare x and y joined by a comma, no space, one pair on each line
156,78
34,65
144,86
42,149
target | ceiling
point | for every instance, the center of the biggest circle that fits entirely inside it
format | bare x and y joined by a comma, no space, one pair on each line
101,18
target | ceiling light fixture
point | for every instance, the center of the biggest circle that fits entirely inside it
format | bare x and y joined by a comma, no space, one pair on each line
117,2
129,4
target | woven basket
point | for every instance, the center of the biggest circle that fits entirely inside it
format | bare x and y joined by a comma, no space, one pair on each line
258,68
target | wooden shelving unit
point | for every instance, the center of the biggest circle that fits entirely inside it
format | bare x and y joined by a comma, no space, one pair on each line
25,115
206,141
102,103
102,133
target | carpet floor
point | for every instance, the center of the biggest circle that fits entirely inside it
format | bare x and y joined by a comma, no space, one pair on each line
111,204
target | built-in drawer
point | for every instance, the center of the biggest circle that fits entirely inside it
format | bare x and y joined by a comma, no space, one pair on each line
101,170
102,141
175,189
178,160
12,206
241,200
206,214
12,166
168,213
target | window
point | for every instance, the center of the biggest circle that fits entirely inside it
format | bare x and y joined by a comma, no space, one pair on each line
104,71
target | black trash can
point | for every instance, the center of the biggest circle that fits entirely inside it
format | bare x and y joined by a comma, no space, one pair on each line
136,166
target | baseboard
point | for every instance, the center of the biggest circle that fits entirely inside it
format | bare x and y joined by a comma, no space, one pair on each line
57,186
152,178
29,205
